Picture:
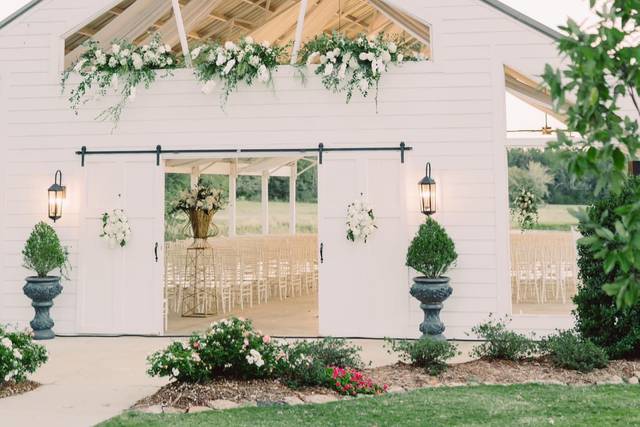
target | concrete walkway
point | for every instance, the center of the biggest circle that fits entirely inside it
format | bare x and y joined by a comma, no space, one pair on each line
89,380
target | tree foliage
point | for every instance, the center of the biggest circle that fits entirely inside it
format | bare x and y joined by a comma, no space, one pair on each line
597,90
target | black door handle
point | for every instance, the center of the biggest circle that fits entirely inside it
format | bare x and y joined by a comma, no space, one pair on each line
321,253
155,251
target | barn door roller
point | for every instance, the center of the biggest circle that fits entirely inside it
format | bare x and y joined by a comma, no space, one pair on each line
321,150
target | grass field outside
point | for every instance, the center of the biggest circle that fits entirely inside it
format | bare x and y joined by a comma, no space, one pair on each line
517,405
554,217
249,219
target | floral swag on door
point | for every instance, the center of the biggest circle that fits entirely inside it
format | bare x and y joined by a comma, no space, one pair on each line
345,65
361,222
115,228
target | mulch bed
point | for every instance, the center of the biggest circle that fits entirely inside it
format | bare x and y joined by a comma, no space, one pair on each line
252,392
399,377
12,388
502,372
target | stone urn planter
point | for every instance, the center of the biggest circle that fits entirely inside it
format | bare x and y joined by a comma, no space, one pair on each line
431,293
42,291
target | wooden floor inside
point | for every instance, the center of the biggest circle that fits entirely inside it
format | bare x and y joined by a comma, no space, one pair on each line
292,317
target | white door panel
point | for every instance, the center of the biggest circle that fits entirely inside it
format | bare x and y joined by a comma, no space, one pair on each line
121,288
363,286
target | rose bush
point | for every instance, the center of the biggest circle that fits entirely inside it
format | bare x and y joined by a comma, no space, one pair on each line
19,355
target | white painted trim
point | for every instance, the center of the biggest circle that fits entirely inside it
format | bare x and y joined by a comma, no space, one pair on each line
293,178
181,32
503,260
233,195
299,28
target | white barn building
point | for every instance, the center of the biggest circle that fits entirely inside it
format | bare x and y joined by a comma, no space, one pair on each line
450,110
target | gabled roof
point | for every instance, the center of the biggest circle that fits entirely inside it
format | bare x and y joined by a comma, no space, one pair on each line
6,21
519,16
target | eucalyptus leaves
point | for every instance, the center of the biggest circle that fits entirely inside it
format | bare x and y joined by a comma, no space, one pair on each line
345,66
235,63
122,68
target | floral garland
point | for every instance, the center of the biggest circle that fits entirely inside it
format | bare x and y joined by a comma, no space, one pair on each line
123,68
115,228
348,65
526,209
360,221
235,63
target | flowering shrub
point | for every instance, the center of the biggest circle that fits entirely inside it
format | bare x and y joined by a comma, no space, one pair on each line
360,221
501,343
349,65
235,63
115,227
123,67
304,363
525,209
230,348
351,382
19,355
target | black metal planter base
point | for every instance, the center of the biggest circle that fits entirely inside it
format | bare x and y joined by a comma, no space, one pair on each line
42,291
431,293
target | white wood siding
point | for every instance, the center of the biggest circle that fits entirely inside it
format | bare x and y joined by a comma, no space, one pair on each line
450,110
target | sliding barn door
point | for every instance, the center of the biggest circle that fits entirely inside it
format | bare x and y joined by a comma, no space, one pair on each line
121,289
363,287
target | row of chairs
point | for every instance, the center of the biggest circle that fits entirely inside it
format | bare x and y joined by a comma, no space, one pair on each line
239,271
543,267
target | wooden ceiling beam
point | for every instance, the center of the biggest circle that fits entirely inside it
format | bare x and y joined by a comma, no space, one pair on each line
192,15
278,24
129,25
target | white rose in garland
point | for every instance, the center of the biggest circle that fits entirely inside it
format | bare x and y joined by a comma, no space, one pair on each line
361,222
235,63
349,65
122,68
115,228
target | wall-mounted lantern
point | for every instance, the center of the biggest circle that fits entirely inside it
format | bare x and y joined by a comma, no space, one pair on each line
57,194
427,187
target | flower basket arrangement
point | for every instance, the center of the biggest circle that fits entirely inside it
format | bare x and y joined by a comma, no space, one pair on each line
525,209
348,65
123,68
235,63
200,204
360,221
115,228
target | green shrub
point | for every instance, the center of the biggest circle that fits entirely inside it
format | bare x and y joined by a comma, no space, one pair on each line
431,251
569,350
597,317
43,252
19,355
305,362
501,343
430,354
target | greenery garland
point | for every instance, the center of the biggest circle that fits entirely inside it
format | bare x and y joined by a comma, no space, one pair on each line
123,68
349,65
235,63
346,65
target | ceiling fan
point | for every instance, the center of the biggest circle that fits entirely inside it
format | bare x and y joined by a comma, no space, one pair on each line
544,130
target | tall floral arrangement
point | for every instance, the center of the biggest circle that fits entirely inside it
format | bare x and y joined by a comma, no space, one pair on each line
123,68
525,209
234,63
349,65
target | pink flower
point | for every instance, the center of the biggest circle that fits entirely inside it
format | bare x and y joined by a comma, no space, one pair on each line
196,345
266,339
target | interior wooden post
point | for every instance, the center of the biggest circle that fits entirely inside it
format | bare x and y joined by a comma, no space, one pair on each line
293,179
299,27
233,185
265,202
195,175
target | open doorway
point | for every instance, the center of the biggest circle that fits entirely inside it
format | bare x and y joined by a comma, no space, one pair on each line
260,260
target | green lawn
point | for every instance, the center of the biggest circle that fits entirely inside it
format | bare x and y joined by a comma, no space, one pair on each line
554,217
530,405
